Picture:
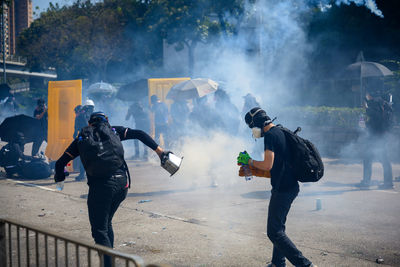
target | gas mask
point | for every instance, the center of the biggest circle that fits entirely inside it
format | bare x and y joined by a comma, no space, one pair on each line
257,133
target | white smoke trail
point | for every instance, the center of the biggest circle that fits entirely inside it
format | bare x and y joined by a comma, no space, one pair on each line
370,4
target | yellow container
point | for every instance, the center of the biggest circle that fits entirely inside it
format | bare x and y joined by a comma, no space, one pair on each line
63,97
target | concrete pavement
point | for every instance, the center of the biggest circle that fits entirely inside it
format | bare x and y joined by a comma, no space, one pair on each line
185,222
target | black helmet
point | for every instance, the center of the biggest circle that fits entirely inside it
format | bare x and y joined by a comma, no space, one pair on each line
78,108
40,102
257,117
97,117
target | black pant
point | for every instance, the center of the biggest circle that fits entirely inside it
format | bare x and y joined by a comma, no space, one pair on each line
381,155
279,206
37,143
162,129
104,198
137,153
78,163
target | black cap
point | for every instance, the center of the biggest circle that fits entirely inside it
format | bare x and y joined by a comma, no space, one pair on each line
97,117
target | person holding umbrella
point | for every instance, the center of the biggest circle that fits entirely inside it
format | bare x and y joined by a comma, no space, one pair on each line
12,155
15,162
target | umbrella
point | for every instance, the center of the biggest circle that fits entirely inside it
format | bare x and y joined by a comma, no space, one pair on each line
133,91
27,125
364,69
193,88
101,88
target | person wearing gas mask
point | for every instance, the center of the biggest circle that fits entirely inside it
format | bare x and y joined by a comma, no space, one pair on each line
102,154
284,186
40,113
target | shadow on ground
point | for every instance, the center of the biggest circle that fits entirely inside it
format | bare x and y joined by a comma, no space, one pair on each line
152,194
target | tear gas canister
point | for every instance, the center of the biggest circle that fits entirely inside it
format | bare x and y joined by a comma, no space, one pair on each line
171,163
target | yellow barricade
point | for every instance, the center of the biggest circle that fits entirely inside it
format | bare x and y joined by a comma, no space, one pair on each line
63,97
160,88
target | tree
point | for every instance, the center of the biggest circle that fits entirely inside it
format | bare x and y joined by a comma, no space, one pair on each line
81,40
341,32
186,23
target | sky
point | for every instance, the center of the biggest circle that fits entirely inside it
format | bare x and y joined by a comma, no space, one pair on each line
44,4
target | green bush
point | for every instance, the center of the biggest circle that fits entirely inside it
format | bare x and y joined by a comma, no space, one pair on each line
322,116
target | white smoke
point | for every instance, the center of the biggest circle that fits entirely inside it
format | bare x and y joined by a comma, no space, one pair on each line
209,159
370,4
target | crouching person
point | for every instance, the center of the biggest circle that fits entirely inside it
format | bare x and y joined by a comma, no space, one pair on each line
15,162
285,187
102,154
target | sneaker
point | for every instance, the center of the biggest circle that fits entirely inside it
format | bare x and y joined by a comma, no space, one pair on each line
363,185
385,186
80,178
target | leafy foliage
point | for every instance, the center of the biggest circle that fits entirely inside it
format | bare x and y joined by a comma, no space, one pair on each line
87,40
323,116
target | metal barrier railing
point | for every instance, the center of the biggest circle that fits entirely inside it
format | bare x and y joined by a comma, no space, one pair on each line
24,245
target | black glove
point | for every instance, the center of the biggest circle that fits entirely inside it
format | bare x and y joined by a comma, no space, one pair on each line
164,156
59,177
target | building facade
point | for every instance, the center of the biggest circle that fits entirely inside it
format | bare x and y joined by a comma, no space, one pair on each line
17,17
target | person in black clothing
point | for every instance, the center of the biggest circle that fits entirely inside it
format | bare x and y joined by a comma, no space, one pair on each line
105,193
284,186
80,122
40,113
379,122
141,117
13,157
161,113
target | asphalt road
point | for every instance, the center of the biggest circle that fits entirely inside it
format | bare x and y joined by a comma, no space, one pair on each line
185,222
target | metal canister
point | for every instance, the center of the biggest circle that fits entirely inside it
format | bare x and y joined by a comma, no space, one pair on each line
318,204
172,163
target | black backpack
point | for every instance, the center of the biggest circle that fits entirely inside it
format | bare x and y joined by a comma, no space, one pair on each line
380,114
305,159
101,150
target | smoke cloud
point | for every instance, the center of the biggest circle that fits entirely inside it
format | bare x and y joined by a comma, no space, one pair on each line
370,4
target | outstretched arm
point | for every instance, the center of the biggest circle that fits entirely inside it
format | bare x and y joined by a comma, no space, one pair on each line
70,153
21,154
144,138
140,135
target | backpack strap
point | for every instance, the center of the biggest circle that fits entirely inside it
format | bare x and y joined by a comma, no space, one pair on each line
127,172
